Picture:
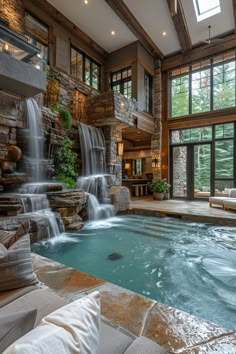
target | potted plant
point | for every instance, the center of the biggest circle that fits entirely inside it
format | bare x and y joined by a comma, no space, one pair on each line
159,187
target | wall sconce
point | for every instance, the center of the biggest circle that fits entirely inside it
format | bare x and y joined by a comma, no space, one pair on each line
127,166
154,163
120,149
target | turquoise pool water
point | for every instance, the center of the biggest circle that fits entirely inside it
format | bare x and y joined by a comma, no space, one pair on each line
190,266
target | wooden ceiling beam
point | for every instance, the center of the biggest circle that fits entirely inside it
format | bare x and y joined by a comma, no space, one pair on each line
199,53
123,12
180,24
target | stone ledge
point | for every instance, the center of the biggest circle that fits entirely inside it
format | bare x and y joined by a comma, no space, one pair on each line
175,330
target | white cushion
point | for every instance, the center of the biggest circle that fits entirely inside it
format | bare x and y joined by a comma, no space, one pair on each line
73,328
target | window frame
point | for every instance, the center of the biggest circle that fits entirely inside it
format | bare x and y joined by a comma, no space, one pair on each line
148,89
213,141
206,14
31,35
190,71
122,80
91,62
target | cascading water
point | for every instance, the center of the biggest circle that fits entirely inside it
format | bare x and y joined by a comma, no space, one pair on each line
93,180
35,139
33,202
31,197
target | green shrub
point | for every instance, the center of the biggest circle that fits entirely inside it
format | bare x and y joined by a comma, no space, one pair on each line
66,118
65,164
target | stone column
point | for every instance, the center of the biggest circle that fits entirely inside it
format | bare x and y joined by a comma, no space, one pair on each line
113,135
156,143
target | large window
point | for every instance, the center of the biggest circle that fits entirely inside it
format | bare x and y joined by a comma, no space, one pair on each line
37,35
121,81
204,86
84,68
148,92
203,160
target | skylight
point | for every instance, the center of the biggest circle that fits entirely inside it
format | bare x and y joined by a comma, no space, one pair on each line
205,9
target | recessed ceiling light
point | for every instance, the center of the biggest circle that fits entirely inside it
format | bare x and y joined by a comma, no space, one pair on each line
86,2
164,33
113,33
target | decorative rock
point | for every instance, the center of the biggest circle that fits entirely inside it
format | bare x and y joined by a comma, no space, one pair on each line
14,153
76,226
120,197
71,219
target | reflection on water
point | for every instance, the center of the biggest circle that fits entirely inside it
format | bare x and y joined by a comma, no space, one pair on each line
189,266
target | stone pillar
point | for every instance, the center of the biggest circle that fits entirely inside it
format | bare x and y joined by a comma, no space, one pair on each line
113,135
156,143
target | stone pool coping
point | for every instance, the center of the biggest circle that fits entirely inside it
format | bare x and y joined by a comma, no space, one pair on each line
175,330
189,211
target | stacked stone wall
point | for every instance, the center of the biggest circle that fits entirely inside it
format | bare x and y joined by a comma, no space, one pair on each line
12,13
156,143
11,118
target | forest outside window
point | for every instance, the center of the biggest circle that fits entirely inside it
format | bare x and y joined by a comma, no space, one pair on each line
121,81
85,68
37,35
213,158
202,87
148,92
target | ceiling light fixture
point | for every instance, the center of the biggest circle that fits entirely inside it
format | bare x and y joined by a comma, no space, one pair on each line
164,33
113,33
86,2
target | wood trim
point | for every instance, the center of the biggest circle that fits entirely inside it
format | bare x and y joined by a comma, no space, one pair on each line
199,53
205,115
165,95
165,131
180,25
67,24
203,121
123,12
173,7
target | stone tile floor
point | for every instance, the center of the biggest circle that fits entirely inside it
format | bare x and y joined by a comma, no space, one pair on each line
189,210
175,330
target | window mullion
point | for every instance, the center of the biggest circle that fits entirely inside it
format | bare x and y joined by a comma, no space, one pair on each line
190,90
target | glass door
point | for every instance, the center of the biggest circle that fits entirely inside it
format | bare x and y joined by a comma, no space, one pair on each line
202,176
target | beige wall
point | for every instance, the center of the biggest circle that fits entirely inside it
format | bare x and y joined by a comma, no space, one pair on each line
140,60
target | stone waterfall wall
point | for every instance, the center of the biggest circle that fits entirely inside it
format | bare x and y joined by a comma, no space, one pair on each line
11,118
70,205
156,143
112,135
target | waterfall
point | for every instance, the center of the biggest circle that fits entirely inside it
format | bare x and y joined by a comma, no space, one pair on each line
35,139
33,201
98,211
93,180
93,151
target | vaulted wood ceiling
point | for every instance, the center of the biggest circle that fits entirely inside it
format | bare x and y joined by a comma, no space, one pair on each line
146,20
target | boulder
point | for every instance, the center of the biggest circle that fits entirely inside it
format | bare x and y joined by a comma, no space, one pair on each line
120,197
